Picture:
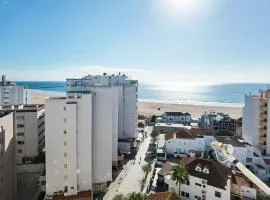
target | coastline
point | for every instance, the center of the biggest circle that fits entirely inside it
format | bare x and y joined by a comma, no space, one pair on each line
157,108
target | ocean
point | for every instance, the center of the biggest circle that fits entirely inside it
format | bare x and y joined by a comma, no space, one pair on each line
182,93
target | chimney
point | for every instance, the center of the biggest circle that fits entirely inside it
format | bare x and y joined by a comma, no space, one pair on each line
3,79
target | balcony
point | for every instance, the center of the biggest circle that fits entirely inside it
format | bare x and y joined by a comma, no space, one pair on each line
263,115
262,139
263,131
263,123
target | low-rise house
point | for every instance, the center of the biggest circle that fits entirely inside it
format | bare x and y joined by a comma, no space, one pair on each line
176,117
169,127
182,142
208,180
217,121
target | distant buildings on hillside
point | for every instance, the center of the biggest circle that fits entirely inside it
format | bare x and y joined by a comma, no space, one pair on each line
13,94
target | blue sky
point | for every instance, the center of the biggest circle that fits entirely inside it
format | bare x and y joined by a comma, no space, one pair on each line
153,40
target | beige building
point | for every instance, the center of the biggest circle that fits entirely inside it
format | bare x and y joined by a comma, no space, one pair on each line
7,157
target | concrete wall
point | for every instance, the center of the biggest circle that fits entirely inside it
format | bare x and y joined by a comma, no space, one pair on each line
130,111
185,145
30,130
7,159
68,144
15,95
251,120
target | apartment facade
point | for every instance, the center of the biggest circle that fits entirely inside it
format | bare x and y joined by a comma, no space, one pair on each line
68,145
256,121
13,94
217,122
124,89
30,131
7,157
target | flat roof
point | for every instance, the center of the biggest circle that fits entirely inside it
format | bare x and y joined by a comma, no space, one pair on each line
172,125
229,140
161,140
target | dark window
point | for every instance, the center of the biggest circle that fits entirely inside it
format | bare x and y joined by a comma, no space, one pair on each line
65,132
182,194
187,195
217,194
19,150
20,125
198,184
20,142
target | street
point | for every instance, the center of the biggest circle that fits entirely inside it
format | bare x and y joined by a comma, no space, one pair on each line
129,180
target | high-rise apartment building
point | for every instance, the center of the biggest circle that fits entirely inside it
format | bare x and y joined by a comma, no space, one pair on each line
125,91
13,94
78,144
256,121
7,157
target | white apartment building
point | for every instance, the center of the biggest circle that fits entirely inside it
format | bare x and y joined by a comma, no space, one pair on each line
124,89
13,94
8,180
256,121
69,145
79,146
176,117
208,180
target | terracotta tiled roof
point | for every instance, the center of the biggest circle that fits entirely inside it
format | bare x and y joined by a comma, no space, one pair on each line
163,196
184,134
83,195
166,169
169,136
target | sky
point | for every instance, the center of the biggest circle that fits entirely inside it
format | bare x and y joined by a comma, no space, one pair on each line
194,41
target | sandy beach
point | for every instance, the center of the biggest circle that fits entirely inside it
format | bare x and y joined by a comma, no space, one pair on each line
149,108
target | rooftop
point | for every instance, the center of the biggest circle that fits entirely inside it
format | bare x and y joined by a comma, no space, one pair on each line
176,113
166,169
217,176
3,113
83,195
239,179
172,125
234,141
163,196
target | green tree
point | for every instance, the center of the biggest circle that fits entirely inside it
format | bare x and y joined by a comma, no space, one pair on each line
154,135
146,169
135,196
119,197
180,175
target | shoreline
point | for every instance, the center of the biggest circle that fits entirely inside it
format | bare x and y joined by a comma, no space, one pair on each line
158,108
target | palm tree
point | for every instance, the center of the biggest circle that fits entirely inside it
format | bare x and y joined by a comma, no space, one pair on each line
180,175
130,196
154,135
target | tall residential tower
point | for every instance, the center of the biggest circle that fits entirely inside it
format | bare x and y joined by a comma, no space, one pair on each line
256,121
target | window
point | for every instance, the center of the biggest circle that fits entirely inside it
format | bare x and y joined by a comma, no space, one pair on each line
198,184
65,120
20,142
187,195
20,125
20,134
19,150
249,160
65,143
217,194
65,132
182,193
65,108
65,165
65,154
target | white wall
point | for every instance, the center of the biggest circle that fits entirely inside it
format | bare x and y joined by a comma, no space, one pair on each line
130,111
7,159
184,145
251,119
16,95
225,194
76,120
